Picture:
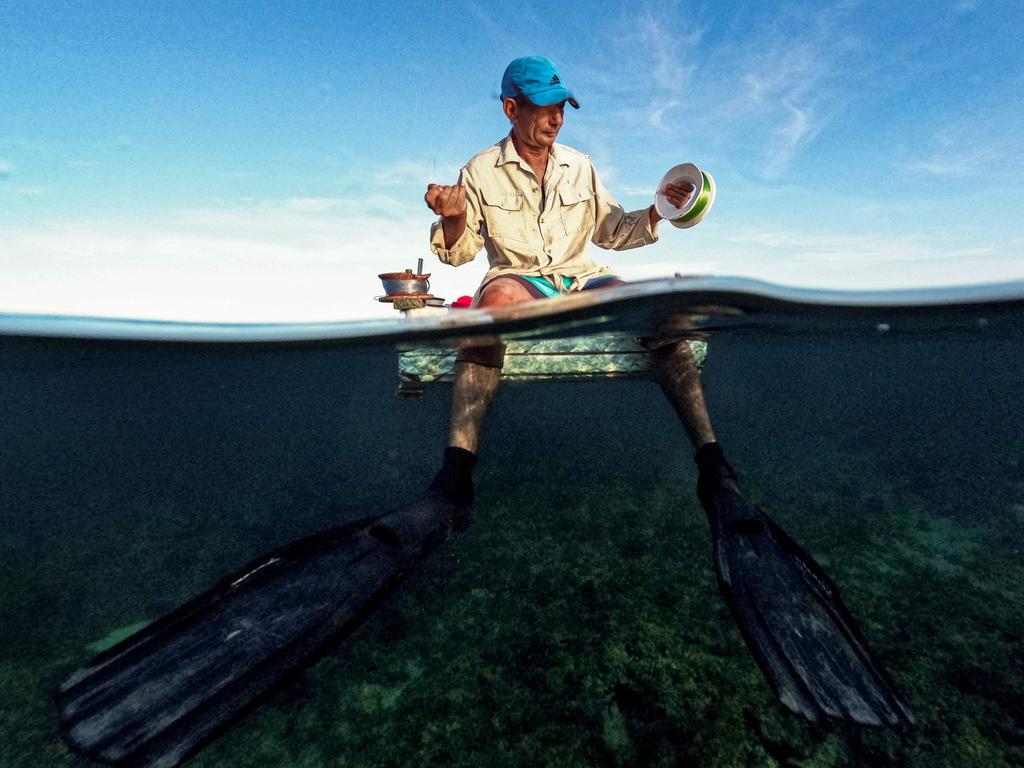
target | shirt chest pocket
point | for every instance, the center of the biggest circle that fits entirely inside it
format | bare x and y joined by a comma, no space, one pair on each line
576,209
504,215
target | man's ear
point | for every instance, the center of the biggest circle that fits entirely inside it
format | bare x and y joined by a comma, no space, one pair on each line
510,108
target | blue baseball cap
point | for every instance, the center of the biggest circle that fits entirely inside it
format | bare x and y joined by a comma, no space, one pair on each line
537,79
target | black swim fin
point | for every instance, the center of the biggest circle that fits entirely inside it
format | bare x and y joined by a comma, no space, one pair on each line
158,696
790,613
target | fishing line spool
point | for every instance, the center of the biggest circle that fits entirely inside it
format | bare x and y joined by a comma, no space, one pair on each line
697,207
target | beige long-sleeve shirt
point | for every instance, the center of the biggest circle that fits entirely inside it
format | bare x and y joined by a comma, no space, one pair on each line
529,231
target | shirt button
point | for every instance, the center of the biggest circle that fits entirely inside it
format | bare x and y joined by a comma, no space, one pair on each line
541,219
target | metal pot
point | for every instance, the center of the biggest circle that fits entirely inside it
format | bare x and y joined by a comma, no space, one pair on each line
404,282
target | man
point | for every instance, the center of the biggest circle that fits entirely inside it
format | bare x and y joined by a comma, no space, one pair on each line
533,205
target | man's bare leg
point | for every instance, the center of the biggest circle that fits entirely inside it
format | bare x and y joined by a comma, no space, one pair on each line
677,372
472,393
477,375
478,372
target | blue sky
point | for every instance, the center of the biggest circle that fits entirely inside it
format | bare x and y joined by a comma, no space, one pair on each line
264,161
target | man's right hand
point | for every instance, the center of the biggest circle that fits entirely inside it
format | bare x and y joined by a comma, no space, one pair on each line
447,202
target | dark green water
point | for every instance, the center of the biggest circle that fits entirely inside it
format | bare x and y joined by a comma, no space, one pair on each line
577,622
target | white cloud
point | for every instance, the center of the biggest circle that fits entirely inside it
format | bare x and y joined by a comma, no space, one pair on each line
656,112
632,190
5,169
667,49
655,269
796,76
309,259
312,204
298,260
416,173
787,139
763,96
661,51
977,146
955,168
866,260
30,147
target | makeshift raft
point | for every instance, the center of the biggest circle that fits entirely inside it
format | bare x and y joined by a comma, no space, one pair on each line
575,358
581,358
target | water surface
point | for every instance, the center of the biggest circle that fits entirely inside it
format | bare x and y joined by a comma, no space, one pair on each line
577,621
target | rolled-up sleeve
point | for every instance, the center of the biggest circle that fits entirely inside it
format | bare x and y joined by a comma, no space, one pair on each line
471,240
616,228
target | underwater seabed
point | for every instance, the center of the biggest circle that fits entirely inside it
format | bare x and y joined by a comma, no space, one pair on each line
583,627
577,621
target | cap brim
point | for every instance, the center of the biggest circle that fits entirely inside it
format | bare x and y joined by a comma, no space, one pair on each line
551,96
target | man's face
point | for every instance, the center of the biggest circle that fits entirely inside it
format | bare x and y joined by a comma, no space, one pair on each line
535,126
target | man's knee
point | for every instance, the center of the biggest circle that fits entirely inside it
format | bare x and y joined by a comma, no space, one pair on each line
497,293
503,291
490,355
662,346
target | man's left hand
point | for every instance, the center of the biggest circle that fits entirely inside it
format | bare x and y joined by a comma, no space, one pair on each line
678,194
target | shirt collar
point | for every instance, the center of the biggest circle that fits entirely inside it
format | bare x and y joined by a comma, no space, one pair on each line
558,156
507,154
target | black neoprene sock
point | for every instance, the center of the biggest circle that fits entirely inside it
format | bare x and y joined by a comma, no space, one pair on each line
455,479
712,469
